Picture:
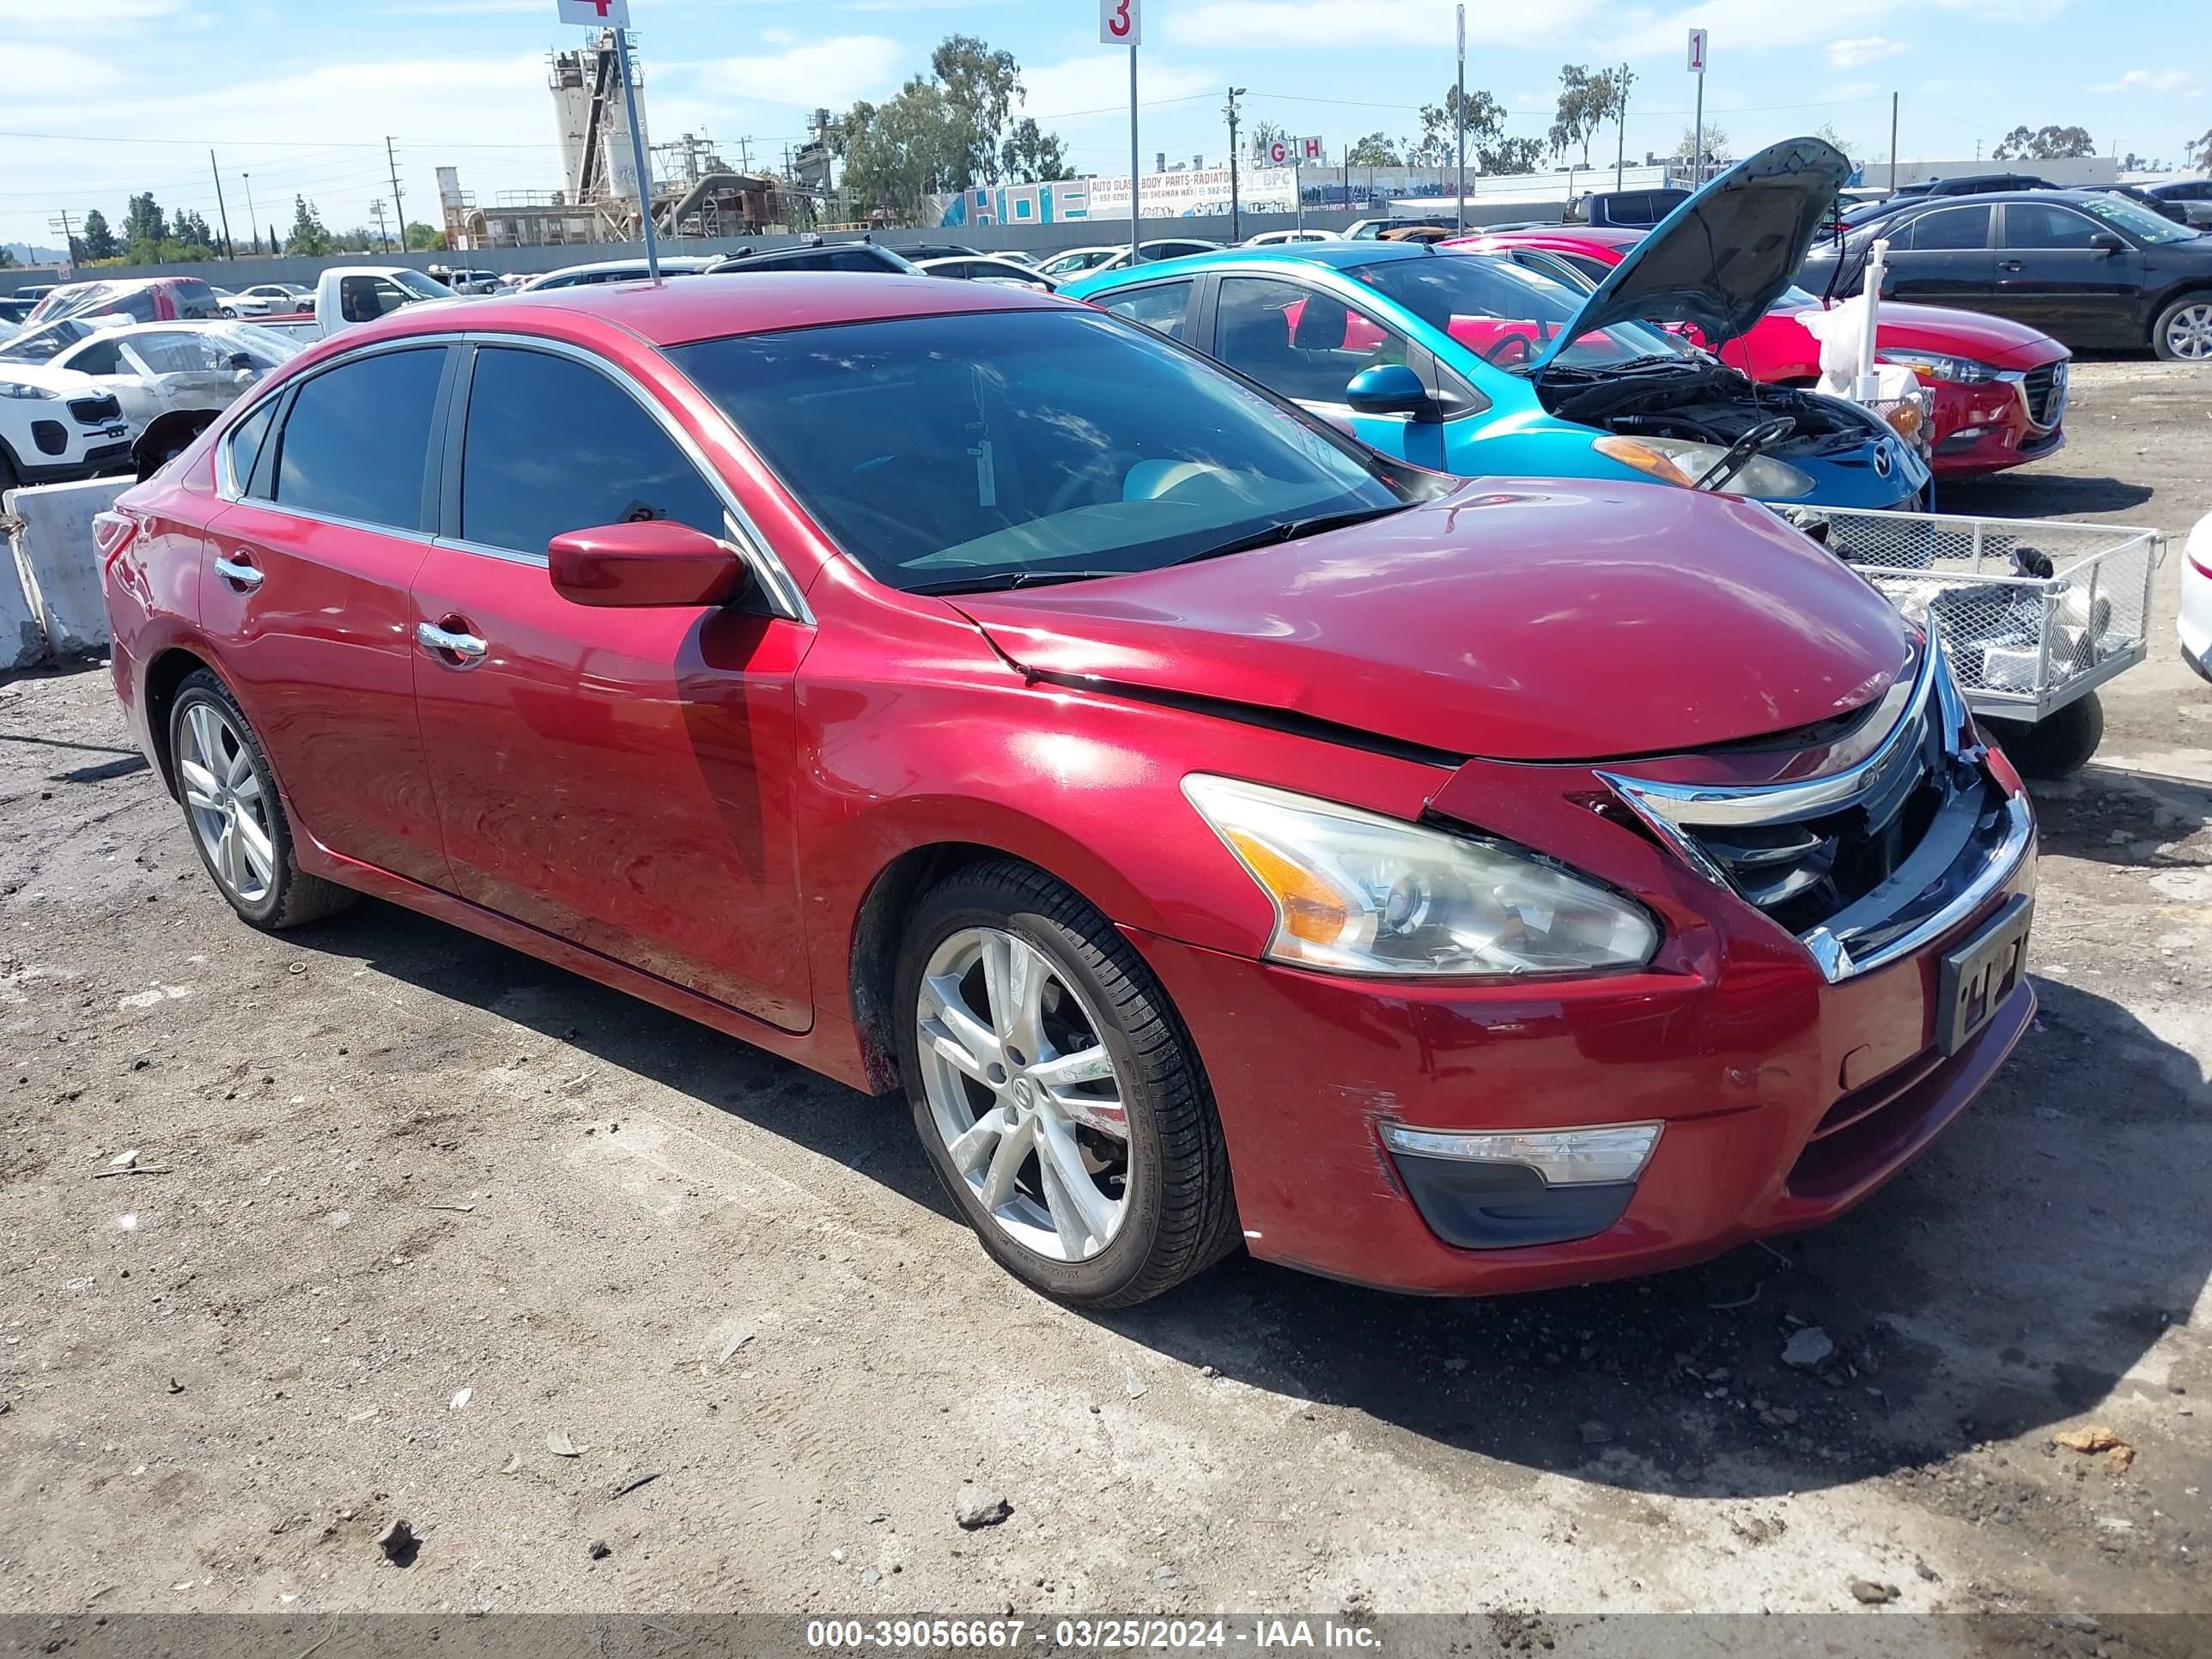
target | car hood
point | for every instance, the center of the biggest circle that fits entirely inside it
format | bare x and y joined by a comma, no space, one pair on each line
1998,341
1550,620
1719,259
63,382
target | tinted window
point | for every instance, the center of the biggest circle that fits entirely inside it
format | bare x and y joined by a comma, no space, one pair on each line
358,438
364,299
1298,341
245,442
1162,306
1951,228
2041,225
195,300
970,449
104,357
1508,314
525,479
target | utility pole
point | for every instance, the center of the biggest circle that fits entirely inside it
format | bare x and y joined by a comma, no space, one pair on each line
1236,217
1893,143
69,237
382,234
252,218
1620,131
637,156
398,209
229,247
1459,116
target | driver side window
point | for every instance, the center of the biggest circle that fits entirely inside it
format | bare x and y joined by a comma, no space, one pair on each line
1298,341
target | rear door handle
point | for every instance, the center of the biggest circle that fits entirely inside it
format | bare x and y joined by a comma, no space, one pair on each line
240,572
467,646
2008,265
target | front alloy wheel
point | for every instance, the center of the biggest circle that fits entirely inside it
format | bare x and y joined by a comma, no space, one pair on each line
2184,333
1056,1093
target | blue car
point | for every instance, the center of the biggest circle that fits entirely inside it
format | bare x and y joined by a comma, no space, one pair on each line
1473,364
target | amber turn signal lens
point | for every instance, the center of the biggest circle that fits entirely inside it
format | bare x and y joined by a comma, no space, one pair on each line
1629,452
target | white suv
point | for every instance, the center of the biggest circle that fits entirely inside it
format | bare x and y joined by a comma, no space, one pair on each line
56,425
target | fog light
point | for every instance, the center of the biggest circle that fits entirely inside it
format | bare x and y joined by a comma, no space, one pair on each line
1563,1157
1492,1190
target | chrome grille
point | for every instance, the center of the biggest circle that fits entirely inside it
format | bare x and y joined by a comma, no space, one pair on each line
2045,389
1868,861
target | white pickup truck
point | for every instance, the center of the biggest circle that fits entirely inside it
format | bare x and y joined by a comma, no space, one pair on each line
359,293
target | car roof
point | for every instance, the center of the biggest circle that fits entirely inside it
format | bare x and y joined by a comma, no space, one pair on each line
1562,236
707,309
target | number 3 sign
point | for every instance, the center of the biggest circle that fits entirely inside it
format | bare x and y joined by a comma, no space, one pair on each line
1121,22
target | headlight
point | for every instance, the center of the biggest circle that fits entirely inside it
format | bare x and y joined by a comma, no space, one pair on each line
1644,457
28,393
1964,371
1355,892
1764,476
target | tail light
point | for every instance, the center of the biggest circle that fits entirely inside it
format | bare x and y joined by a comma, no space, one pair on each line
112,532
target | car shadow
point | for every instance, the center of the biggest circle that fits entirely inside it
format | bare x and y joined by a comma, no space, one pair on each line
2128,818
2035,494
2001,1284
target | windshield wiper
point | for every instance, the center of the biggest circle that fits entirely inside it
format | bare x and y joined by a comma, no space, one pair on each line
1293,530
998,582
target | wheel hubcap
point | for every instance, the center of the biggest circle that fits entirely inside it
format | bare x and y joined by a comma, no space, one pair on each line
2189,334
1023,1094
229,811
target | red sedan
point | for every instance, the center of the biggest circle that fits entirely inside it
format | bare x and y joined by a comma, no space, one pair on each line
1999,386
1205,820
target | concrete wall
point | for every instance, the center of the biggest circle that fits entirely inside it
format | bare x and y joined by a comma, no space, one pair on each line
57,568
18,277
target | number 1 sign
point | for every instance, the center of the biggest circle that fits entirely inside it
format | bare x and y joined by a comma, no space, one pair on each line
1121,23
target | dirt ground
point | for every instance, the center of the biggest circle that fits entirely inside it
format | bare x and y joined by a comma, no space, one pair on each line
427,1206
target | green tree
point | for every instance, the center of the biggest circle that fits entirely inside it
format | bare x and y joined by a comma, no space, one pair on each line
1587,102
191,228
1717,143
982,88
308,235
8,260
1265,132
425,239
1031,152
1826,132
1508,156
1373,150
144,221
2052,144
2200,151
100,242
1440,141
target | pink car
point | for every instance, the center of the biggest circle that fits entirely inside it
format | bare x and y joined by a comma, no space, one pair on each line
1999,386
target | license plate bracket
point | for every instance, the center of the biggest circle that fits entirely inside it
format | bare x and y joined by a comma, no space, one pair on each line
1977,976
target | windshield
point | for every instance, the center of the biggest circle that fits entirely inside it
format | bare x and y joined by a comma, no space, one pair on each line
263,343
1508,314
417,282
978,449
2137,221
43,345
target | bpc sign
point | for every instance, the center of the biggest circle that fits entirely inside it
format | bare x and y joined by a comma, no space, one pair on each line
595,14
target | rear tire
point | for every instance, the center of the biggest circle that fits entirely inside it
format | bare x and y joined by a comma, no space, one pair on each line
236,813
2183,333
2056,746
1174,1213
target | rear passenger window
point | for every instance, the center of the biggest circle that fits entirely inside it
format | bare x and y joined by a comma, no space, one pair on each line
1162,307
357,441
525,479
244,444
1951,229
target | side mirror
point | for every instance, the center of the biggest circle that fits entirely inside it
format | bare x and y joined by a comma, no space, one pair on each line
659,562
240,363
2107,241
1390,389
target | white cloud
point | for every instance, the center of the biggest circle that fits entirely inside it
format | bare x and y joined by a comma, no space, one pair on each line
2171,80
1341,24
21,17
1867,49
780,37
832,72
1096,86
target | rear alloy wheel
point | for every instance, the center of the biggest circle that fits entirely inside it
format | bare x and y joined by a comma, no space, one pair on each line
237,818
2183,333
1055,1092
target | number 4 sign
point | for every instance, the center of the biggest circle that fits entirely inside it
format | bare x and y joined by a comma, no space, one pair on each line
1121,23
613,14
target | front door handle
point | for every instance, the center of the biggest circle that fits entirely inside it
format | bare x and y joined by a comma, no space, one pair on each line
2008,265
467,646
239,572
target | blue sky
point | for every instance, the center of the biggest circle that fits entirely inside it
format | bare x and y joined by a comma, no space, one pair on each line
302,96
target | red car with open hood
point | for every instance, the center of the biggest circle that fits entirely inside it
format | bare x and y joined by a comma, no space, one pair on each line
1999,387
1222,835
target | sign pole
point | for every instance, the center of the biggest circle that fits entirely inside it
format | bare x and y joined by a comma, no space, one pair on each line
637,154
1134,175
1697,144
1461,117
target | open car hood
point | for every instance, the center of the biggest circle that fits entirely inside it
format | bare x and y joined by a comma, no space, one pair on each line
1719,259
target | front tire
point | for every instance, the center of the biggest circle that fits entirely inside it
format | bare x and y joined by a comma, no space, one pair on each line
2183,333
1056,1092
235,814
2056,746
